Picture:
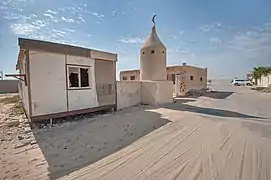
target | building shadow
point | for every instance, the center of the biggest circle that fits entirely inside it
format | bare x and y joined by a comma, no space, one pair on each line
217,94
183,100
74,145
208,111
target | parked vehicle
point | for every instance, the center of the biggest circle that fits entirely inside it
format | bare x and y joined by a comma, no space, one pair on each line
241,82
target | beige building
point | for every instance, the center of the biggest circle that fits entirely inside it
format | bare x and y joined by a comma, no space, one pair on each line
149,85
58,80
189,77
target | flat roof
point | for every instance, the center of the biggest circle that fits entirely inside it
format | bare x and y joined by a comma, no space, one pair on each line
33,44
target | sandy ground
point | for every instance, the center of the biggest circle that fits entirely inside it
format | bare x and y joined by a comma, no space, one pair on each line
222,135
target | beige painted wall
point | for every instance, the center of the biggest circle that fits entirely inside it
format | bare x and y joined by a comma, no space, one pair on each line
156,92
128,94
196,74
48,83
128,74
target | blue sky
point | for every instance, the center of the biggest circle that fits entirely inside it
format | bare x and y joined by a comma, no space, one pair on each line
228,37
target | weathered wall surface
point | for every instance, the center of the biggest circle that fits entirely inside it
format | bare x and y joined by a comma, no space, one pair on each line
195,78
156,92
82,98
47,83
23,87
127,75
9,86
105,82
164,92
128,94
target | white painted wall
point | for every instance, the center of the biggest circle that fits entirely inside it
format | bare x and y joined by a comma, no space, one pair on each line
48,83
128,94
265,81
83,98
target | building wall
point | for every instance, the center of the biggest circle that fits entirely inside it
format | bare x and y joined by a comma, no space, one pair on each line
9,86
128,94
156,92
195,78
82,98
128,74
47,83
23,87
172,71
264,81
105,80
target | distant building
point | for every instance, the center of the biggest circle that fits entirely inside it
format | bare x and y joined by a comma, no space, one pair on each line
191,77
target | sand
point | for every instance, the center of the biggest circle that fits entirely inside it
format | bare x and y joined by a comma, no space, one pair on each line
218,136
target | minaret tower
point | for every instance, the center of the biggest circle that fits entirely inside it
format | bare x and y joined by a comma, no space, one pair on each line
153,59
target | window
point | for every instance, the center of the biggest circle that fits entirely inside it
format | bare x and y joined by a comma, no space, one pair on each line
200,78
124,78
191,78
173,78
78,77
132,77
152,51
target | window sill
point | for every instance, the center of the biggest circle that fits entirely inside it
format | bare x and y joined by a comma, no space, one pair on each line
79,88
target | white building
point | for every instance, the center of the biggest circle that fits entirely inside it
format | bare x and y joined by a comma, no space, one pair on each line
59,80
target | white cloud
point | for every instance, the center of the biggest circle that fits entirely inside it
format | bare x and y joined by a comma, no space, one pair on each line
100,16
129,40
23,29
215,40
81,19
113,13
216,26
67,19
50,11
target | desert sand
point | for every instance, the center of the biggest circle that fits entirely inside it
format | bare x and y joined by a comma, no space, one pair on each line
222,135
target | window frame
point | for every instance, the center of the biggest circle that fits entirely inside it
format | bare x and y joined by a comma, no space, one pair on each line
133,77
79,76
124,78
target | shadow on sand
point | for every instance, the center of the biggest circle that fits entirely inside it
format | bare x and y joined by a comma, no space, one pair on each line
74,145
208,111
218,94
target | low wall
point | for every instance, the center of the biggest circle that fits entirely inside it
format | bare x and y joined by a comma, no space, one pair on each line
8,86
156,92
128,93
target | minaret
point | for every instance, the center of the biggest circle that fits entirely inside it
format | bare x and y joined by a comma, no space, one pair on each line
153,58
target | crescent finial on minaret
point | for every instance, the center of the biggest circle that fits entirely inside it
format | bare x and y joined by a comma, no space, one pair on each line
153,20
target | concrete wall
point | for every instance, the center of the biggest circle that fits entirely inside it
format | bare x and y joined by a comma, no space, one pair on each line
195,78
156,92
9,86
128,94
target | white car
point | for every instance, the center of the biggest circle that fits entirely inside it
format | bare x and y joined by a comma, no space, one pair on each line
241,82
